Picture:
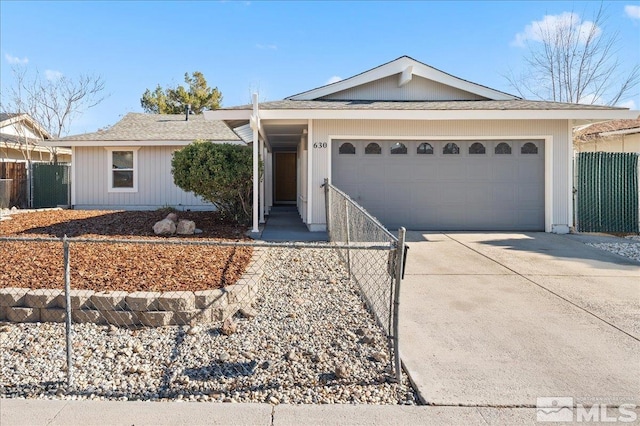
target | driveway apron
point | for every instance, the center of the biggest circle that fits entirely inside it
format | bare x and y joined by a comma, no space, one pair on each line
501,319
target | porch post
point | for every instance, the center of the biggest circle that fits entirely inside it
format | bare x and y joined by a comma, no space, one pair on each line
255,124
262,181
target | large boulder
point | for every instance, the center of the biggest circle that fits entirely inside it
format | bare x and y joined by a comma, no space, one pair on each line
186,227
164,227
172,217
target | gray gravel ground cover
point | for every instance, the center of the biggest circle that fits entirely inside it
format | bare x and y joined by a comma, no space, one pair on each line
312,341
629,249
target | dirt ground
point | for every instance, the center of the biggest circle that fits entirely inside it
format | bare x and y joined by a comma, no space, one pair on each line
128,267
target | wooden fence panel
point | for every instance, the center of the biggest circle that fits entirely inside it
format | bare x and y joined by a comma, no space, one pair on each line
18,173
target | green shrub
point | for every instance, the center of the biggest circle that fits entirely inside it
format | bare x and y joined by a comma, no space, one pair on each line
219,173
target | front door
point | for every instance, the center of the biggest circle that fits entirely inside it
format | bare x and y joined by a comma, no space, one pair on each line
285,177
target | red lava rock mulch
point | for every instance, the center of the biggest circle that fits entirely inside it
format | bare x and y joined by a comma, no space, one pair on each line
122,266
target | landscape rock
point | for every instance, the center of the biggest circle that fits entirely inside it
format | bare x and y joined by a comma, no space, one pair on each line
380,356
341,371
172,217
164,227
248,312
186,227
229,327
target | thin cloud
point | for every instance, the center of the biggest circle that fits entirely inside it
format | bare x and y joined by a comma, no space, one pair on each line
631,104
589,99
15,60
267,46
536,30
52,75
334,79
632,11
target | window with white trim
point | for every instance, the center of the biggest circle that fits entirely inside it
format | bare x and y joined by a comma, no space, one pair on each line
122,167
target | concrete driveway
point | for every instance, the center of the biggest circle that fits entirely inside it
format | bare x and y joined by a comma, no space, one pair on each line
501,319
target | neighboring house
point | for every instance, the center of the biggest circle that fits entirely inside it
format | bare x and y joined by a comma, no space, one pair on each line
21,140
418,148
128,166
609,136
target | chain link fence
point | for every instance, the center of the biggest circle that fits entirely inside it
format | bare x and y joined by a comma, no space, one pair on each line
376,271
205,320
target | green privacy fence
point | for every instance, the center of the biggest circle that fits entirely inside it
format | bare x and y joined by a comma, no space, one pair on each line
607,192
51,185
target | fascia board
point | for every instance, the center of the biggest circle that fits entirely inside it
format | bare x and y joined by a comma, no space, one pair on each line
380,72
65,143
290,114
397,67
455,82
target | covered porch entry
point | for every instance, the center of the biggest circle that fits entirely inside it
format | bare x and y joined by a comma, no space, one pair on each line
281,166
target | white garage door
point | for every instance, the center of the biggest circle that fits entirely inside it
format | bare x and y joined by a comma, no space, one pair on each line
445,185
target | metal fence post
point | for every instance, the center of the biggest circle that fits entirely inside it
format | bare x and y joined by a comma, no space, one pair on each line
346,214
67,295
396,303
327,207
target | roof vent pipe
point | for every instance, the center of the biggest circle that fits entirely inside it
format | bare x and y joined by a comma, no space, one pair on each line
187,111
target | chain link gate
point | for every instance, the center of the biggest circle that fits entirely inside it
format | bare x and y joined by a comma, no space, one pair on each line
378,273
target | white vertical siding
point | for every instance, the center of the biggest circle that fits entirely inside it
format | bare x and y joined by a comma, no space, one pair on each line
558,129
418,89
155,182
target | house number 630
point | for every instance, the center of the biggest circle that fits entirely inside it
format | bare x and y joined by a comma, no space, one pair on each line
319,144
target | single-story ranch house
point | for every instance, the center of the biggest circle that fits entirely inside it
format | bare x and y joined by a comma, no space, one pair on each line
415,146
418,148
128,166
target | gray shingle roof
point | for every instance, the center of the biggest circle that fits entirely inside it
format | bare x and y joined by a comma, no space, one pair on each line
7,115
612,126
160,127
518,104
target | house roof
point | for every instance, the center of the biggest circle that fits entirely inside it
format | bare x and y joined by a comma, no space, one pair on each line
18,143
138,127
517,104
7,115
407,67
11,118
612,127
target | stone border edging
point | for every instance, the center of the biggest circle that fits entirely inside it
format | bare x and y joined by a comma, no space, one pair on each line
152,309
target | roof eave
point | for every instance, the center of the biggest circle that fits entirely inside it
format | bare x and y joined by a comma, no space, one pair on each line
394,114
81,143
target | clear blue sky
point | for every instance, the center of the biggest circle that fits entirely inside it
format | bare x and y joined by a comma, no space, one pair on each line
280,48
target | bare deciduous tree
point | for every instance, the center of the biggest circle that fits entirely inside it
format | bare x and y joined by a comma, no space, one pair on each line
570,60
53,101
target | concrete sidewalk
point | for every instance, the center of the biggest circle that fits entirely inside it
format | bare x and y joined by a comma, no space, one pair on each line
501,319
16,412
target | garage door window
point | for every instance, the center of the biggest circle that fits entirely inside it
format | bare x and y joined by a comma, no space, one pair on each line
398,148
425,148
503,148
347,148
373,148
477,148
451,148
529,148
